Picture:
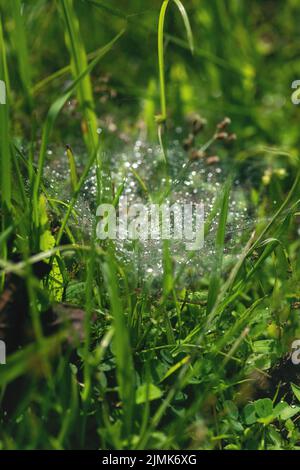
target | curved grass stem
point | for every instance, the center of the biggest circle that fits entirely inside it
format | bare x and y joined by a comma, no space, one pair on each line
161,53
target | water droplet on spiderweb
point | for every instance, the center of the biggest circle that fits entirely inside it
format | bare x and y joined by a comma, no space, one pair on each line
199,184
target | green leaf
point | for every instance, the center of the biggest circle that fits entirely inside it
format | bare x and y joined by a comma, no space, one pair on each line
264,407
47,241
147,392
231,409
284,411
263,346
176,366
250,414
296,391
275,436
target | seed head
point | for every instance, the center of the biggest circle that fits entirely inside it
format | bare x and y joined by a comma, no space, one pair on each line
213,160
223,124
196,154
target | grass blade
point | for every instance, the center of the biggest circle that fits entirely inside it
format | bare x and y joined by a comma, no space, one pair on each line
215,280
161,53
187,24
79,63
5,150
123,354
72,164
6,163
20,44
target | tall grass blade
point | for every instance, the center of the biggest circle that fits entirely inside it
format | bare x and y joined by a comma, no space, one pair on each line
187,24
6,162
5,150
161,53
215,279
122,349
19,38
79,63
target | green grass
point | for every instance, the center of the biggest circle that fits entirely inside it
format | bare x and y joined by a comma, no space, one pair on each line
79,63
197,357
161,54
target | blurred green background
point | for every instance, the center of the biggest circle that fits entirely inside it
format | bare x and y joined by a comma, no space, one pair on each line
246,57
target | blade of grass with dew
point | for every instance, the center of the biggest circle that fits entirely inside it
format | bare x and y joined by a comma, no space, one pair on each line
215,279
168,286
72,165
76,193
